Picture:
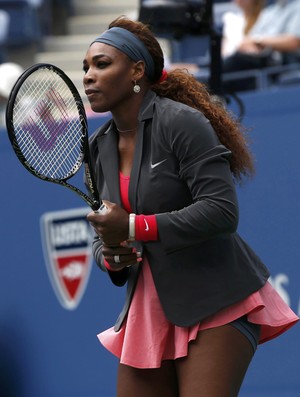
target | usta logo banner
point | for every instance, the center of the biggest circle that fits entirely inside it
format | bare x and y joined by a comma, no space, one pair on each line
67,240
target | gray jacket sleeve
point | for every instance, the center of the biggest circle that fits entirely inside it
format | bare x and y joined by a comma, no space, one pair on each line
204,166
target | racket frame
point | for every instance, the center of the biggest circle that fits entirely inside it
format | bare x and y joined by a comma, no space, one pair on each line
92,201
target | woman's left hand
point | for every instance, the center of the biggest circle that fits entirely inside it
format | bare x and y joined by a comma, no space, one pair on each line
112,226
120,257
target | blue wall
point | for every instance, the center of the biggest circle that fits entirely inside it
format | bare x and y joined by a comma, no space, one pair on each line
50,351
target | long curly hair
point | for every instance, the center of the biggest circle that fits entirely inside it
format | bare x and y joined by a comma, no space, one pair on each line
181,86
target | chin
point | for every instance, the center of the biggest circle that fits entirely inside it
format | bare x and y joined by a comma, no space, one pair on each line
98,108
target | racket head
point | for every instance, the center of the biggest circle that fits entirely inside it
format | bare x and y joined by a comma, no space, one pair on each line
46,123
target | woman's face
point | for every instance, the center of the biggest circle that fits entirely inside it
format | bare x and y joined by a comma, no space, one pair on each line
108,79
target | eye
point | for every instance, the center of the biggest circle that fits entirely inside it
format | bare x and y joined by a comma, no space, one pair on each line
85,67
102,64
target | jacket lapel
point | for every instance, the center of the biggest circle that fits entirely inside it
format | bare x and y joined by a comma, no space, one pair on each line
108,154
146,113
136,166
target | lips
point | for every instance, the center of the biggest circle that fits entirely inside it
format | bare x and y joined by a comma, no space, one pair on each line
90,91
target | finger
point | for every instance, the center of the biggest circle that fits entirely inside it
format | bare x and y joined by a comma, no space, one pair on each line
94,218
123,256
124,260
111,251
107,203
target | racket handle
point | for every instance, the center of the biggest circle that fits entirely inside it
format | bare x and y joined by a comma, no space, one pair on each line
102,210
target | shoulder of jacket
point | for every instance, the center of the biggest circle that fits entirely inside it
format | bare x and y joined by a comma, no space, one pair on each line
172,113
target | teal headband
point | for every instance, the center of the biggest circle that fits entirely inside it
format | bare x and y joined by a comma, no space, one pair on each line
129,44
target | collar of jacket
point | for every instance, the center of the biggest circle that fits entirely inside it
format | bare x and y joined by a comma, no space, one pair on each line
146,112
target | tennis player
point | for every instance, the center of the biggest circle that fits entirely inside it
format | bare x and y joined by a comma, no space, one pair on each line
198,298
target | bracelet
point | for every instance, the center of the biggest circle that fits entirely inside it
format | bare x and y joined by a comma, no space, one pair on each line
131,231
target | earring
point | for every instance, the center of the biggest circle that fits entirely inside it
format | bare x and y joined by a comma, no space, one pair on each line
136,88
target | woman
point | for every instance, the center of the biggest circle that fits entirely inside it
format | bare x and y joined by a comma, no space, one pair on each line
274,40
165,165
237,25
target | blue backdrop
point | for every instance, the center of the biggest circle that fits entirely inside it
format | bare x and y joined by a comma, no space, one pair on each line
50,350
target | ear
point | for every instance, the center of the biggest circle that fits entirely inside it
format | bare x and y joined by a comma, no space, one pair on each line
138,70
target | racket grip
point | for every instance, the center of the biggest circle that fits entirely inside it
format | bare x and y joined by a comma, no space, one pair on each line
102,210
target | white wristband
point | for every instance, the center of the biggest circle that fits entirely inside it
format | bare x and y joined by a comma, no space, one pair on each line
131,232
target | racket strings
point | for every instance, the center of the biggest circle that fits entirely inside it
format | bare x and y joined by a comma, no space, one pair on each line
48,127
66,157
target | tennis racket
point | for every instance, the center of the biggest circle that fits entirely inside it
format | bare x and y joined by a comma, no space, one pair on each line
47,127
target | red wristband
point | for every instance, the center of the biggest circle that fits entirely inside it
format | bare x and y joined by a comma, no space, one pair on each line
146,228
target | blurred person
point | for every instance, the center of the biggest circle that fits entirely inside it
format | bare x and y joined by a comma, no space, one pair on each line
4,26
35,3
273,40
61,10
236,24
198,298
9,73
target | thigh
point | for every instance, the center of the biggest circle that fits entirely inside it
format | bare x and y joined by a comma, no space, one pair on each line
216,364
158,382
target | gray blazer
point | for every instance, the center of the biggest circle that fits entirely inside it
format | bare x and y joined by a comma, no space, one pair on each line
181,173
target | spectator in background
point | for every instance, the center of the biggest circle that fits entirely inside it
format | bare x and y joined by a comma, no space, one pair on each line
4,24
273,40
35,3
9,73
236,24
42,11
61,11
52,15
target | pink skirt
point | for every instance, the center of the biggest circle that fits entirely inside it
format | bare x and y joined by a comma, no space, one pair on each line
147,337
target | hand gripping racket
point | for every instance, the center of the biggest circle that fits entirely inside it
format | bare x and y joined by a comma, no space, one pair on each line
47,127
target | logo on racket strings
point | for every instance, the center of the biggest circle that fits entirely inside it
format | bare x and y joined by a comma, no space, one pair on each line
67,239
49,121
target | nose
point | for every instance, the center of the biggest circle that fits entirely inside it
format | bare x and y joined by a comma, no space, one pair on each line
88,77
